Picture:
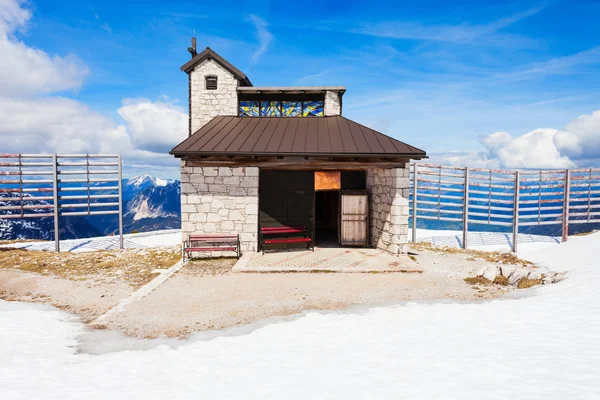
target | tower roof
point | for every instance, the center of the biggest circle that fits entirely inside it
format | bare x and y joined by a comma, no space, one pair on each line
210,54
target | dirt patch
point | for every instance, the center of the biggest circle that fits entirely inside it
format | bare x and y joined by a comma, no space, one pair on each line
209,266
204,294
134,266
88,298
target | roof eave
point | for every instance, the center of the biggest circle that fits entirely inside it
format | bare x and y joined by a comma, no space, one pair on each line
413,156
209,53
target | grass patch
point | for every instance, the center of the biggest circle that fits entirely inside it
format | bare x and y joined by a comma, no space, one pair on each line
584,233
477,280
490,256
526,283
501,280
132,265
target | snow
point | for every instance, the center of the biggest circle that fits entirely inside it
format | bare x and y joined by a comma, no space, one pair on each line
167,237
139,180
543,345
487,241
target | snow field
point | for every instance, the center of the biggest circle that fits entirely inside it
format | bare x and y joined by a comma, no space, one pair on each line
541,346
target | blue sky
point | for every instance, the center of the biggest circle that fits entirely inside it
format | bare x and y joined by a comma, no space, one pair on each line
508,84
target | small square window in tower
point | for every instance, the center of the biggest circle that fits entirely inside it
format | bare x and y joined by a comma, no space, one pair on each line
211,82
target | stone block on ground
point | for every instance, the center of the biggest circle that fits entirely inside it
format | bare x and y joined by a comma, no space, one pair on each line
516,276
507,271
535,275
491,272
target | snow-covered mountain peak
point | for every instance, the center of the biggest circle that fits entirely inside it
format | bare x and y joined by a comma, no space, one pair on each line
146,180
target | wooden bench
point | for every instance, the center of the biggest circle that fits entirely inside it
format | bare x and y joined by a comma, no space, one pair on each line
285,230
210,243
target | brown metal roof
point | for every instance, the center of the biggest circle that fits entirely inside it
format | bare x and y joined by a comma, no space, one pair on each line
209,53
291,136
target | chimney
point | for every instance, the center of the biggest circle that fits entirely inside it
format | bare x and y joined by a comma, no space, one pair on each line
192,49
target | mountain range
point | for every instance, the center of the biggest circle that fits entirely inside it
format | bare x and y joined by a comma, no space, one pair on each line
149,204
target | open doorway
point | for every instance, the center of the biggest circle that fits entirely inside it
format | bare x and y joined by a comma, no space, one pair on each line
327,211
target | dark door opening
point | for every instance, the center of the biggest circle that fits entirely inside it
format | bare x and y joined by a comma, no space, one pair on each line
327,218
286,198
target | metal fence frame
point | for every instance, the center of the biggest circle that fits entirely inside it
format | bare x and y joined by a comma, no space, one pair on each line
84,199
504,197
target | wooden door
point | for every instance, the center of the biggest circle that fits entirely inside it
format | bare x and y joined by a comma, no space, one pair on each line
354,218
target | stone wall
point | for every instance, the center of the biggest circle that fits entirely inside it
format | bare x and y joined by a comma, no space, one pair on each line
389,208
333,104
207,104
220,200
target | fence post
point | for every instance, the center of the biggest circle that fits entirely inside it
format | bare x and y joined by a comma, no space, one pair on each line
414,205
565,227
120,185
56,206
466,209
515,238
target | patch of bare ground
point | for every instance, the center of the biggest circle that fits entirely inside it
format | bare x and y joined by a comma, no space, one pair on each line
489,256
208,266
87,284
133,266
204,294
88,298
4,242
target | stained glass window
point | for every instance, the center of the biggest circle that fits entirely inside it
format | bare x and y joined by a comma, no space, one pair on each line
313,109
292,108
286,105
270,109
249,108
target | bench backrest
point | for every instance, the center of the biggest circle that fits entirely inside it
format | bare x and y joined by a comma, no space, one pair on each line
283,229
212,237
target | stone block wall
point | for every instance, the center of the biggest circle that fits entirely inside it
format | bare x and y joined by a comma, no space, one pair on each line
333,104
220,200
389,190
207,104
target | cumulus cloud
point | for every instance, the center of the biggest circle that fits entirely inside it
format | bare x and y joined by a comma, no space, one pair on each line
24,70
578,144
154,126
34,119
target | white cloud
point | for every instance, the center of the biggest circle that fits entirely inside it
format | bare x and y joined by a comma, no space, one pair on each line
262,33
483,34
155,126
25,70
32,121
56,124
577,145
536,149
